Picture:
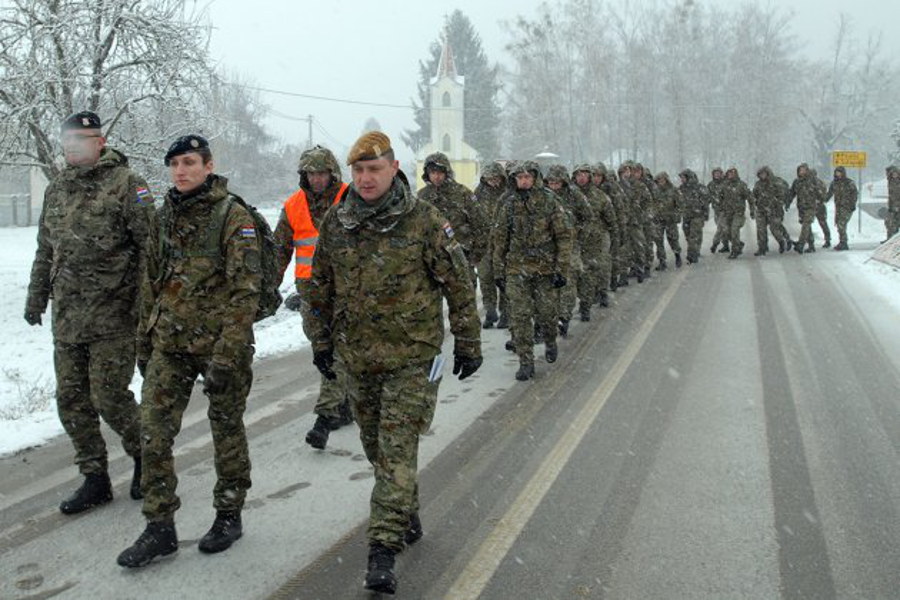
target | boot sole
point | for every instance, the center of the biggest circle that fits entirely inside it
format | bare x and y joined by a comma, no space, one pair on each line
69,511
157,557
382,586
316,440
217,549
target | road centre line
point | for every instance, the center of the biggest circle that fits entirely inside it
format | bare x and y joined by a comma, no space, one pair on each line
472,580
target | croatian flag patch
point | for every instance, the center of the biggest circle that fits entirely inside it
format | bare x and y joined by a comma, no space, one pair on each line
447,229
143,195
248,232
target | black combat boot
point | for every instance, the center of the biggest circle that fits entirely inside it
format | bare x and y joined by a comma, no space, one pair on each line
317,437
158,539
525,372
95,490
798,247
639,273
712,249
510,346
490,318
842,246
135,490
380,575
604,300
613,283
810,248
503,323
551,352
724,248
584,312
225,531
677,260
414,532
563,327
623,280
760,252
827,243
661,266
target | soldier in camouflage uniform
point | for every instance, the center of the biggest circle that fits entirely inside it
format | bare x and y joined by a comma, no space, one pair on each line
809,195
845,194
491,188
644,190
295,237
605,180
91,240
736,196
384,263
598,257
199,296
892,216
667,211
456,202
634,238
715,187
532,253
582,218
770,193
696,198
821,208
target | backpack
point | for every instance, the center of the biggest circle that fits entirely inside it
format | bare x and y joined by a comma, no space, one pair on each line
269,294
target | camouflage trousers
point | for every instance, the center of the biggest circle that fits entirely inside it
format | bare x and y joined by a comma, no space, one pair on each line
491,296
666,231
634,247
735,224
841,218
92,382
577,288
599,265
822,218
649,238
392,410
331,392
164,398
532,301
891,223
723,231
693,234
765,223
806,235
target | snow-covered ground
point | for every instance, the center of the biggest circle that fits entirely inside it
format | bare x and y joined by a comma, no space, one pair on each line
27,410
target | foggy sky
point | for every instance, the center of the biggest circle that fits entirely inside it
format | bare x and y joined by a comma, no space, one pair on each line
368,51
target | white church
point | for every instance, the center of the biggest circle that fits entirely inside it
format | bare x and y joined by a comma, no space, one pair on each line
447,118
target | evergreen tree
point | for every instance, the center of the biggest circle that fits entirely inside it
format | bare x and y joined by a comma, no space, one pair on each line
482,117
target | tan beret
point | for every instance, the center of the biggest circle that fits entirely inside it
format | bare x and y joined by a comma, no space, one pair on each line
369,146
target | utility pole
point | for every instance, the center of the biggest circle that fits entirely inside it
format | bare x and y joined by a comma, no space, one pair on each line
309,122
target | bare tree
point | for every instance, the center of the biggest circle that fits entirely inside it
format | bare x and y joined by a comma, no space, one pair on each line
142,65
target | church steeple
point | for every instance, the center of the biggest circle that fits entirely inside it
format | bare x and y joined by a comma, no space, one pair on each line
446,65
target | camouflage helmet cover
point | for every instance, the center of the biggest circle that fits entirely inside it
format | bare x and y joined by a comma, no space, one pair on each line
558,173
438,160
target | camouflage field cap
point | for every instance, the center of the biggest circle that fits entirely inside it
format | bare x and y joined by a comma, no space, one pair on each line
369,146
557,173
318,159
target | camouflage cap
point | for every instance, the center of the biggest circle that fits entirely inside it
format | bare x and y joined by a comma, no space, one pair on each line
662,175
582,167
369,146
599,169
318,159
526,166
557,173
437,160
493,169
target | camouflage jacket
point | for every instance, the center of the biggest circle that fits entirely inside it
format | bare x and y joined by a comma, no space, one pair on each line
458,205
845,194
620,203
91,244
716,187
667,204
696,198
192,301
532,236
770,194
641,198
378,282
488,200
606,217
807,192
736,196
894,189
580,213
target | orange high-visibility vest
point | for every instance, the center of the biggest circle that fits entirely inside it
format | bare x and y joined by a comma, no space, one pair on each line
296,208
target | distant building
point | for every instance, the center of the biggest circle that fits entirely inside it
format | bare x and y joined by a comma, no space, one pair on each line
447,118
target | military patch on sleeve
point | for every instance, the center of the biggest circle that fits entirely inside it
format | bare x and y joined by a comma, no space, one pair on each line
143,196
248,232
447,229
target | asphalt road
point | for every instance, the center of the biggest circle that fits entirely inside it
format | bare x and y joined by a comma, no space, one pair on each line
726,430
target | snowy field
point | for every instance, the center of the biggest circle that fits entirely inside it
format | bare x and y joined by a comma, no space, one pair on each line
27,411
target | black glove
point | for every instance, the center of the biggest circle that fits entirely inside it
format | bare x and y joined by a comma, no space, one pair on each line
142,366
216,380
465,366
500,283
33,318
324,361
558,280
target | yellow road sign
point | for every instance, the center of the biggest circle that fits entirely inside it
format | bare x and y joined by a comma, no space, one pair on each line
856,160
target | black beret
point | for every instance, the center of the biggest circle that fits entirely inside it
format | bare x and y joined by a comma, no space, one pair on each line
81,120
185,144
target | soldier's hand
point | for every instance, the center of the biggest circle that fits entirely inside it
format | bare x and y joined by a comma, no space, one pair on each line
558,280
324,360
465,365
33,317
216,380
142,366
500,283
